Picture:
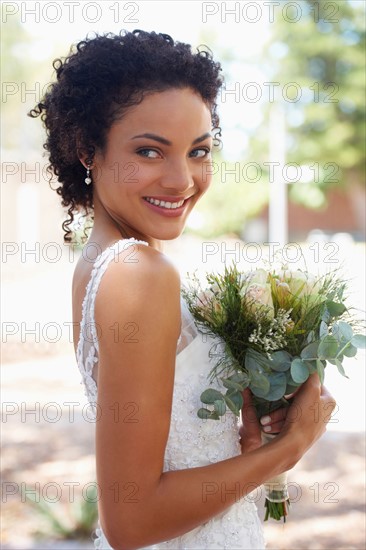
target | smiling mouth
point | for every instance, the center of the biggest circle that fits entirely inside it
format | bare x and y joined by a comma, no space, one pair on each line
165,204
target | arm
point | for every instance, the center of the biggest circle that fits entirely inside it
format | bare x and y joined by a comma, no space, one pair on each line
130,454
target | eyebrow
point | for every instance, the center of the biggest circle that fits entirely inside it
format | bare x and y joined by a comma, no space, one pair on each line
165,141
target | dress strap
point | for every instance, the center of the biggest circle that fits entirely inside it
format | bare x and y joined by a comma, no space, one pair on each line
88,346
99,268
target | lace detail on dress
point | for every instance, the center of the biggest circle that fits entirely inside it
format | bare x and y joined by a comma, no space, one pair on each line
192,442
88,347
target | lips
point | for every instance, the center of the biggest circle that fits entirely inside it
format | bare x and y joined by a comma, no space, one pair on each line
165,203
169,206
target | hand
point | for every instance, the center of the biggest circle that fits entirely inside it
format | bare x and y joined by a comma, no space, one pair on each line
273,422
309,413
250,430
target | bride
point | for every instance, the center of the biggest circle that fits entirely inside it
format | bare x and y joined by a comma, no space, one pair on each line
131,124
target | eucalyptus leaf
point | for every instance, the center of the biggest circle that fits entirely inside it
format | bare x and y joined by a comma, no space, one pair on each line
291,388
232,405
210,395
278,385
340,368
345,330
323,329
203,413
281,361
326,316
310,351
335,309
320,368
240,378
252,364
236,397
230,384
328,347
359,341
259,392
299,370
260,383
349,351
220,407
310,337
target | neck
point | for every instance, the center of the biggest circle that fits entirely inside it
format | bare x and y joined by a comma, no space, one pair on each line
107,230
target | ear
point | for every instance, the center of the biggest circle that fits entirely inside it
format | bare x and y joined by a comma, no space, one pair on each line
85,155
87,162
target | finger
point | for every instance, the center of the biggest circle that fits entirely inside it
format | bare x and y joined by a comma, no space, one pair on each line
328,403
247,396
274,416
309,390
274,428
248,411
324,392
313,381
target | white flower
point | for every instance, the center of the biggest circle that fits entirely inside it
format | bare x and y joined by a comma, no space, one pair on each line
259,276
260,295
300,283
211,296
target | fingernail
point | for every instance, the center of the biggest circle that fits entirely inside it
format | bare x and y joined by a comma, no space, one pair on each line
267,428
265,420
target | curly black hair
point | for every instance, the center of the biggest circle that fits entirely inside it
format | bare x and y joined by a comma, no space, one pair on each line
99,79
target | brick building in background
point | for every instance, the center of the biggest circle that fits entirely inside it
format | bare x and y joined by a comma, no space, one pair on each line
345,212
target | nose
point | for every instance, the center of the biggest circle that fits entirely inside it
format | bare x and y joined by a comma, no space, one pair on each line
177,176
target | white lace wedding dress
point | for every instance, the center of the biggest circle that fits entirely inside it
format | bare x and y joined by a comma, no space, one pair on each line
192,442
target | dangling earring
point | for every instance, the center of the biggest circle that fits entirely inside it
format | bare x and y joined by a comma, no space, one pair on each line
88,179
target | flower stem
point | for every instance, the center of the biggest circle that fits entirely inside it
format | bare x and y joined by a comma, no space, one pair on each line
276,510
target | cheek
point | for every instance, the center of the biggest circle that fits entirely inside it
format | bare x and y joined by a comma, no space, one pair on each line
135,177
204,176
130,175
106,173
122,176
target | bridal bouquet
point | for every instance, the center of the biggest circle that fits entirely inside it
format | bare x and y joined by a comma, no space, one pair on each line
273,329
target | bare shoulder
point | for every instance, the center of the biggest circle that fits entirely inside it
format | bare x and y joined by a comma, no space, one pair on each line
138,270
141,284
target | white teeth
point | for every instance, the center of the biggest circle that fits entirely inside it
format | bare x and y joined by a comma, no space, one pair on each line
164,204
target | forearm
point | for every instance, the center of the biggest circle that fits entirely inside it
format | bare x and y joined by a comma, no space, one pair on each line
184,499
201,493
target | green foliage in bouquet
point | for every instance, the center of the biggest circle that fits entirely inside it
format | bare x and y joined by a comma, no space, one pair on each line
274,329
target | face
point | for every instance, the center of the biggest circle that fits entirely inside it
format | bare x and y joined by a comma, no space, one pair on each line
156,165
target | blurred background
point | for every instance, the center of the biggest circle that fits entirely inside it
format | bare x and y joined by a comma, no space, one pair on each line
290,171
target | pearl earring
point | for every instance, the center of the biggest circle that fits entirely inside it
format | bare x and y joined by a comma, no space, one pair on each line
88,179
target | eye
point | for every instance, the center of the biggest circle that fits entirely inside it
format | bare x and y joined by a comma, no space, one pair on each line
200,152
148,153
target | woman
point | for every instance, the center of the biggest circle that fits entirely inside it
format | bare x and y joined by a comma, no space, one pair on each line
131,122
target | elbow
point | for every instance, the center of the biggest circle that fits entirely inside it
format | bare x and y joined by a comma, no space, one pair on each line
129,528
122,538
118,542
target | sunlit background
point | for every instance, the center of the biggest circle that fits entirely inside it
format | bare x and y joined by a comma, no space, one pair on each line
290,170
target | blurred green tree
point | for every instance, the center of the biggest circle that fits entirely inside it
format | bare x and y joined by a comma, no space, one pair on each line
314,60
324,55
